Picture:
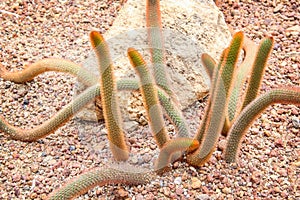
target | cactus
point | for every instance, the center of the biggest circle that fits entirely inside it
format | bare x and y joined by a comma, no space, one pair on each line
53,123
49,64
171,147
229,109
216,116
156,43
251,111
101,176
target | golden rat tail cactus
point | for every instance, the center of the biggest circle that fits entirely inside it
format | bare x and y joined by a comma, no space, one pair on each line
128,175
111,110
251,111
155,38
45,65
150,96
216,116
223,112
54,122
256,69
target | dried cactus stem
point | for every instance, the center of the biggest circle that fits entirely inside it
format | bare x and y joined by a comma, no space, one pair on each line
249,114
150,97
53,123
100,177
111,109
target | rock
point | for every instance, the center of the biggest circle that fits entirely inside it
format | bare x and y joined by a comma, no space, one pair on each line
34,168
196,183
177,180
123,193
295,29
203,197
16,177
190,28
296,122
226,190
130,126
87,114
278,8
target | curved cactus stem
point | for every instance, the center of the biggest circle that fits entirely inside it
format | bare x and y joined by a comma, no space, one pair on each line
111,109
208,133
53,123
45,65
258,70
155,38
251,111
123,84
172,146
150,97
100,177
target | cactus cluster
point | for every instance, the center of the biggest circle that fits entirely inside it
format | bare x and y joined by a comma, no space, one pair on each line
230,110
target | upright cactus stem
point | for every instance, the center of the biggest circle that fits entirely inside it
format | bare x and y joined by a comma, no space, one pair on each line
111,110
218,103
150,96
155,38
213,73
258,70
231,59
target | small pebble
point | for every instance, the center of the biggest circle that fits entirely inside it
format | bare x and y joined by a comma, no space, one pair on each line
177,180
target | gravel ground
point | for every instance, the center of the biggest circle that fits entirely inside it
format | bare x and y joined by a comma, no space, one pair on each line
268,166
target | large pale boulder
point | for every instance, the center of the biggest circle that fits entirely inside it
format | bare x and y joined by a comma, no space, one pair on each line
190,28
